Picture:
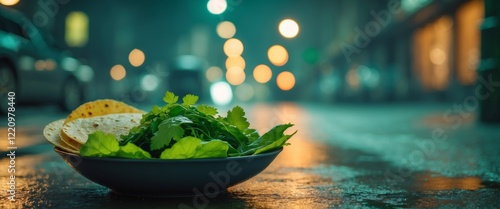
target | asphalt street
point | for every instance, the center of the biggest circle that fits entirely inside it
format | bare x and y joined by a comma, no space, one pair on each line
388,156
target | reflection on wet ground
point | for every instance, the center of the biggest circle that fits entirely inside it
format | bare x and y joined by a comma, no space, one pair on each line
341,157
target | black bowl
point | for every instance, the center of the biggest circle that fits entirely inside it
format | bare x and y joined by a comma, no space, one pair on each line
169,178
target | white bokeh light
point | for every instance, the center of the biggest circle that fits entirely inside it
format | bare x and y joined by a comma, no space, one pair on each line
150,82
217,6
288,28
221,93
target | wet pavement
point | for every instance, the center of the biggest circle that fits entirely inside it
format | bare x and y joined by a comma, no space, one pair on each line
385,156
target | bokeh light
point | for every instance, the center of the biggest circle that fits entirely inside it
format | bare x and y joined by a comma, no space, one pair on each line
9,2
233,47
50,64
217,6
277,55
76,32
226,29
221,93
150,82
235,62
214,74
437,56
40,65
288,28
352,78
311,55
118,72
85,73
285,80
262,73
245,92
235,76
136,57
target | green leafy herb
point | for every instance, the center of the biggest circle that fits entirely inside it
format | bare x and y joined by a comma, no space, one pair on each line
170,98
236,117
207,110
189,100
167,130
186,131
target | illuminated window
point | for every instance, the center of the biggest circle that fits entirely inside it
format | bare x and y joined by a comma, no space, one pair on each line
469,16
432,50
77,29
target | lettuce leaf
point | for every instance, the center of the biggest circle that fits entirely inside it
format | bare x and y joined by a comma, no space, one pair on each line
100,144
192,147
212,149
131,150
185,148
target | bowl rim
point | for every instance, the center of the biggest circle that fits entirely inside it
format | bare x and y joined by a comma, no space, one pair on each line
248,157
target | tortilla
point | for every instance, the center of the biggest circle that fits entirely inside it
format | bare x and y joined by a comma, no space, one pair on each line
69,141
118,124
51,133
99,108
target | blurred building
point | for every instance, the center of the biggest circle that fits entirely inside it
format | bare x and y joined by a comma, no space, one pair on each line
404,50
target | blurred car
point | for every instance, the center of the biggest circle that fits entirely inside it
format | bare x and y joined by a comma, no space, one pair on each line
34,68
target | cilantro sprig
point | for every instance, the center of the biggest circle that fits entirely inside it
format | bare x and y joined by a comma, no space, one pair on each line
186,130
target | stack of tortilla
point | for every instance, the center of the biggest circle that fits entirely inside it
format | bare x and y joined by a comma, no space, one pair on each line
106,115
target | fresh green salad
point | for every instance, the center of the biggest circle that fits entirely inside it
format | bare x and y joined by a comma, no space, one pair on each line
186,131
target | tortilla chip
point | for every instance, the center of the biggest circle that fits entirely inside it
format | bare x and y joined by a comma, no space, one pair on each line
51,133
117,124
99,108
